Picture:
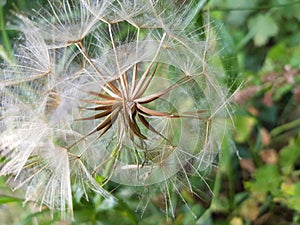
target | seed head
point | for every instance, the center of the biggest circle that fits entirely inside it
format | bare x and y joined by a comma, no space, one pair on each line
118,89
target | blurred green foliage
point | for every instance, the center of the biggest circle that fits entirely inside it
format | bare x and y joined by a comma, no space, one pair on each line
258,179
267,133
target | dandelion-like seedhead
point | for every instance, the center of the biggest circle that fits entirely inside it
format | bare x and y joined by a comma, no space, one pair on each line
118,89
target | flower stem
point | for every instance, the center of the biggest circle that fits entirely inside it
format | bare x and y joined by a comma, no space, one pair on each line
4,35
110,164
285,127
263,7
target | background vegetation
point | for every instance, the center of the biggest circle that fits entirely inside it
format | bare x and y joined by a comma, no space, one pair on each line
257,180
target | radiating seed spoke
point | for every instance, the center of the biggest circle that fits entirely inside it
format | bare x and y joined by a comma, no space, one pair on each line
151,128
145,83
99,102
108,121
135,128
100,95
130,103
95,108
114,88
97,116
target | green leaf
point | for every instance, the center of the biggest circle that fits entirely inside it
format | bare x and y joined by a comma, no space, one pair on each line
281,91
289,155
228,58
8,199
294,200
244,125
277,56
262,28
266,179
294,59
281,54
4,55
30,217
107,204
290,195
238,17
4,35
205,219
